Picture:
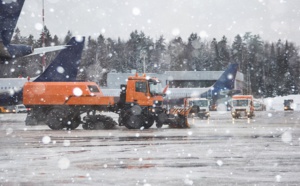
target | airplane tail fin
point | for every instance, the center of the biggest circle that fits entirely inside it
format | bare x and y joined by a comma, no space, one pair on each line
226,80
9,15
65,66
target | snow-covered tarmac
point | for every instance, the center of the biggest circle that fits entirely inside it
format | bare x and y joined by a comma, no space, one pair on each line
219,151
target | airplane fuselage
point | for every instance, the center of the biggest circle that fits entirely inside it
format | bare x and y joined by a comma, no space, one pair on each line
12,85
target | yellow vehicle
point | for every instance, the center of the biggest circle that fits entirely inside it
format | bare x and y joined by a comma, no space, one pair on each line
7,109
2,109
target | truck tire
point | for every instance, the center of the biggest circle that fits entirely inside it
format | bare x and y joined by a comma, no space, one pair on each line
132,118
148,122
159,124
133,122
55,119
109,122
30,120
73,123
99,122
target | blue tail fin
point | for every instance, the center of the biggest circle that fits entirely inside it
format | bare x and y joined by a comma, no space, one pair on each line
65,66
9,15
227,79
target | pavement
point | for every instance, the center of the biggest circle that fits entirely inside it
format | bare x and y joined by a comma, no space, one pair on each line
218,151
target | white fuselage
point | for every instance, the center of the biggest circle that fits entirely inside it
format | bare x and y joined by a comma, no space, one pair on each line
171,92
12,85
185,92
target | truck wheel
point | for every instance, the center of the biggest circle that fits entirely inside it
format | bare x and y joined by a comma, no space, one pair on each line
73,123
109,123
134,122
30,120
159,124
148,123
55,119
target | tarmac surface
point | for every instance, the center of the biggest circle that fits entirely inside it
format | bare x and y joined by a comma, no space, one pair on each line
219,151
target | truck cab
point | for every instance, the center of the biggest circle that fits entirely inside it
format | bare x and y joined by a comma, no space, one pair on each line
200,107
143,91
242,106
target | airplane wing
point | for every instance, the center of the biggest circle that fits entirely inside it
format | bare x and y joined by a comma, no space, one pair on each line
47,49
9,14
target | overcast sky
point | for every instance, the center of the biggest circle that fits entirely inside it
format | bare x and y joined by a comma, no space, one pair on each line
271,19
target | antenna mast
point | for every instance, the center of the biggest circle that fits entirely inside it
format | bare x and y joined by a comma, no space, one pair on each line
43,39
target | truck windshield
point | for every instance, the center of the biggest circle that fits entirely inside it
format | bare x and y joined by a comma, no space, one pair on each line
240,103
200,103
155,88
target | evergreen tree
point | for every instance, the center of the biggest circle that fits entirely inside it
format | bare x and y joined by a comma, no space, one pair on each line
120,63
138,47
256,61
45,37
68,37
282,68
214,58
16,39
224,56
176,52
30,40
289,86
238,49
191,52
55,41
158,56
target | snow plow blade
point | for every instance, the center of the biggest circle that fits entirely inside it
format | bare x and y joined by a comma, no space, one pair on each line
179,117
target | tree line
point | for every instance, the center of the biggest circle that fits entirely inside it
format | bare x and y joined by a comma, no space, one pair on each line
270,68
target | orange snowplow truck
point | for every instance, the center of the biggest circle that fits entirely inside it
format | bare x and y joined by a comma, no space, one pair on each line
69,104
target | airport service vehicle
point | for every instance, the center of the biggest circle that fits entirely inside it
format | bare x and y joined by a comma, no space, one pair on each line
7,109
259,106
2,109
69,104
242,106
20,109
288,104
199,107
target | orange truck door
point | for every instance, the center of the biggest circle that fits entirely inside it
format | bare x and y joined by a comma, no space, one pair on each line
141,94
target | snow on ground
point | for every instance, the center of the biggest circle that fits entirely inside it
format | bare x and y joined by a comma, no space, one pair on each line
276,103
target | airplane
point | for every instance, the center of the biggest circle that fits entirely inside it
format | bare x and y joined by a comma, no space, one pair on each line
9,14
220,90
63,68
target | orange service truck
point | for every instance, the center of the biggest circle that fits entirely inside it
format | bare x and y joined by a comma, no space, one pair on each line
69,104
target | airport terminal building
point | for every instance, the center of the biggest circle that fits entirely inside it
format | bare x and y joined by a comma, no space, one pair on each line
177,79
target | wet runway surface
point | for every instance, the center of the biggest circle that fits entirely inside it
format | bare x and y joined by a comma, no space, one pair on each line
219,151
